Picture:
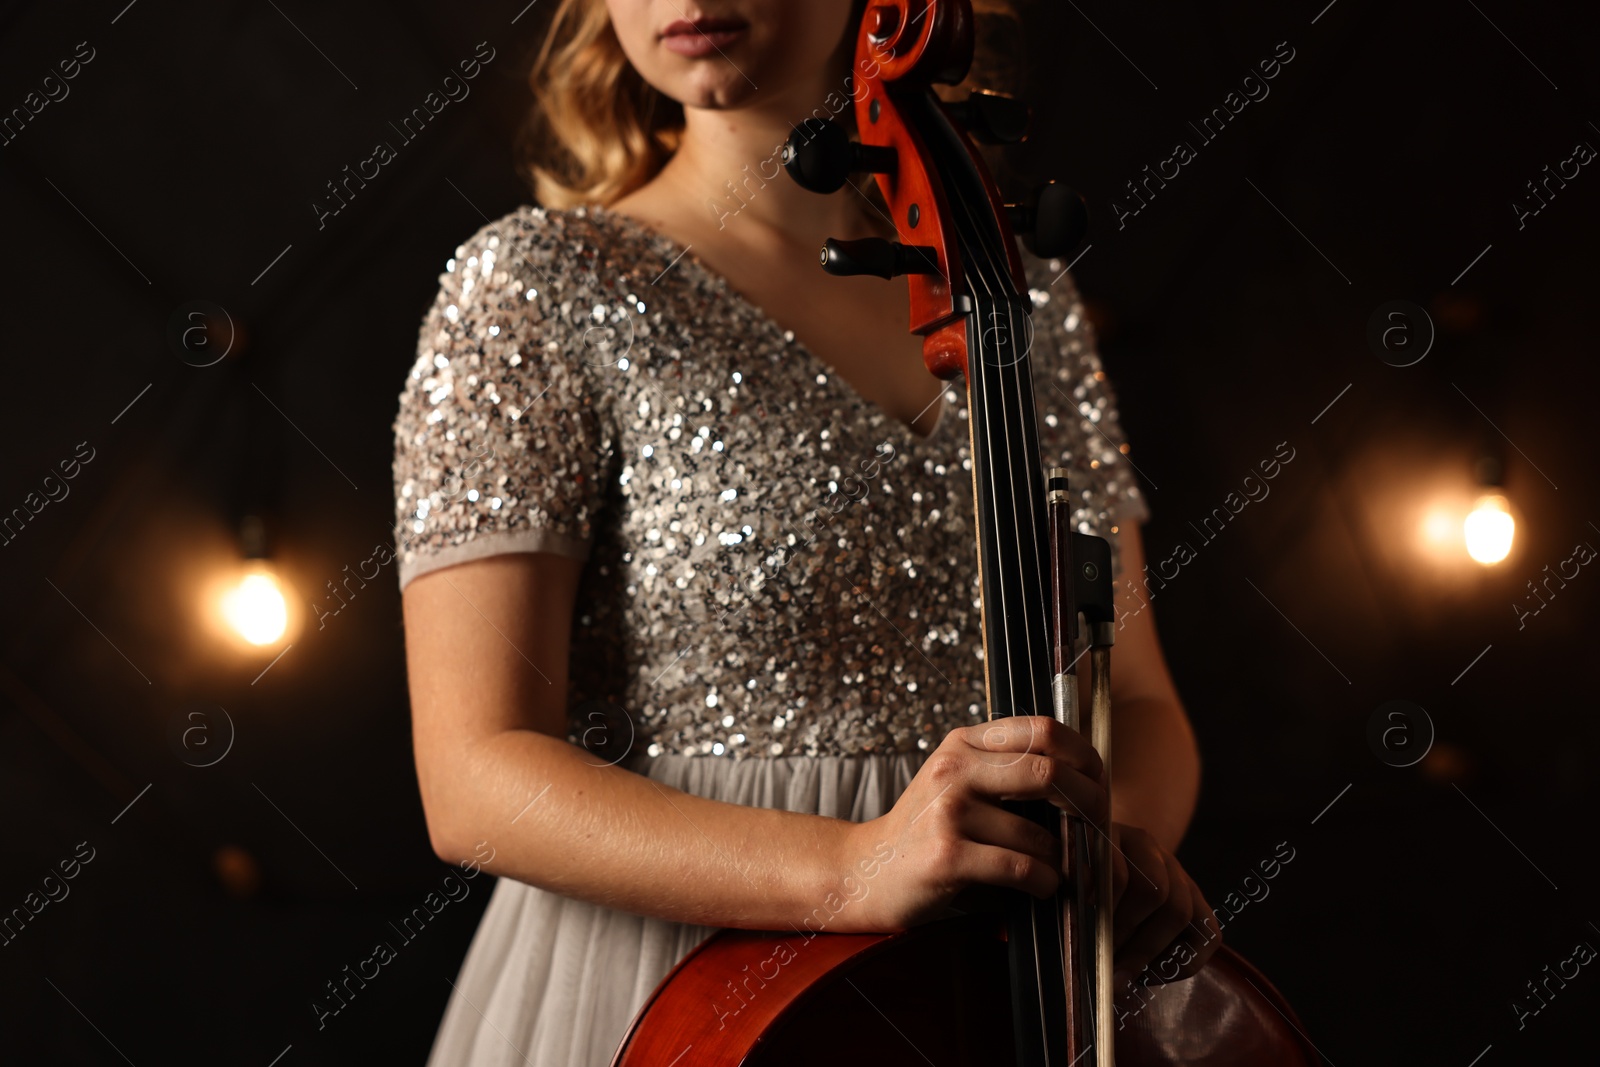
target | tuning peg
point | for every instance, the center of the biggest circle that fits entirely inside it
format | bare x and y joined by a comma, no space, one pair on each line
991,118
874,255
820,156
1053,222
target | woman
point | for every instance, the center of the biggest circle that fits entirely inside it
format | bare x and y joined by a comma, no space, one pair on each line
687,557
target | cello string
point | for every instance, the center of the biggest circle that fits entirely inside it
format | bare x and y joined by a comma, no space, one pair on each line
980,395
1011,298
977,271
999,489
1021,363
1021,373
1018,367
1022,378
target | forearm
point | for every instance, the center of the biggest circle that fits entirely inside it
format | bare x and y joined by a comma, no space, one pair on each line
1155,768
556,820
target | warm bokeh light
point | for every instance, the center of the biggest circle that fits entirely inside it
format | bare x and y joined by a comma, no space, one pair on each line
220,621
1489,529
255,607
1439,529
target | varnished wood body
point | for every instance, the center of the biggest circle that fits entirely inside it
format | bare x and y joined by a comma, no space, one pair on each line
934,994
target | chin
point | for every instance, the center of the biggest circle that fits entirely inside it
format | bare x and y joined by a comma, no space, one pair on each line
713,89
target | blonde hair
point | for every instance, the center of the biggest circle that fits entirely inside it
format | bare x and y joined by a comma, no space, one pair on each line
598,131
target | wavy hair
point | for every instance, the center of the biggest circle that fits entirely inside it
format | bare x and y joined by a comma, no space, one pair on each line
597,130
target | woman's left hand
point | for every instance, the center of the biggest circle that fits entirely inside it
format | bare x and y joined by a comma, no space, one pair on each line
1160,919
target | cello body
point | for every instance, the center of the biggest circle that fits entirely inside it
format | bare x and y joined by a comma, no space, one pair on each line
935,994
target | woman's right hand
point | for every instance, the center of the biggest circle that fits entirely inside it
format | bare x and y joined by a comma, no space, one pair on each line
949,834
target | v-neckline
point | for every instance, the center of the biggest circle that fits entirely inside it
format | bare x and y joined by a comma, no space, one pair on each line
720,281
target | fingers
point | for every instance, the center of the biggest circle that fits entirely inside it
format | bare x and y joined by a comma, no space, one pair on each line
989,825
1120,871
1146,881
1161,925
1159,914
1035,733
967,840
1161,922
1038,777
1030,758
993,865
972,819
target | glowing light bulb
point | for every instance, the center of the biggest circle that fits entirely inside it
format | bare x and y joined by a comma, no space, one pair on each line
1489,529
255,608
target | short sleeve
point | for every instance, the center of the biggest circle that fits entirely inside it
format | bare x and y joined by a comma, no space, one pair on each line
499,442
1078,404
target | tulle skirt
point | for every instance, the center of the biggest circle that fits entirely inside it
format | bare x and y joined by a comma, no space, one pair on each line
554,982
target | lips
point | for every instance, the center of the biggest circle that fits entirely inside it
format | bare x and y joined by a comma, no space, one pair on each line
703,36
704,25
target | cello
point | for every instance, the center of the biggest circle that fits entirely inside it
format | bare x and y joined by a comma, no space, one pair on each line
1029,983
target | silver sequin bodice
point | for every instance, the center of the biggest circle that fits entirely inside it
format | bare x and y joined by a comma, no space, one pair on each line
774,565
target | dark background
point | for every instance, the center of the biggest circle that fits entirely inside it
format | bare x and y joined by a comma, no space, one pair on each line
1233,312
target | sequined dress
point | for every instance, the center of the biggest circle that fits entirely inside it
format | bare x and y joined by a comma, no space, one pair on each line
778,603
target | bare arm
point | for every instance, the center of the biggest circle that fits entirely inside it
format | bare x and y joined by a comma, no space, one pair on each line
486,653
486,648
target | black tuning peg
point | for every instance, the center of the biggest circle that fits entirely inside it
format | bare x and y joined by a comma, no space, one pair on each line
1053,222
991,118
874,255
820,156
